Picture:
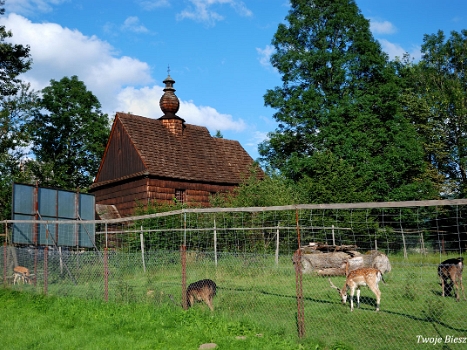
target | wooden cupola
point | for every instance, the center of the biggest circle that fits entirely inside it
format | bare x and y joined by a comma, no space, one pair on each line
170,104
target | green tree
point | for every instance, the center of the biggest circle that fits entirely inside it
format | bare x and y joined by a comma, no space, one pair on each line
15,100
257,192
338,104
440,82
15,113
14,60
416,108
69,138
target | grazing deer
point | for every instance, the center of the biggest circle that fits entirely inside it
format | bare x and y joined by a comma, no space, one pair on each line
365,276
203,290
451,269
21,273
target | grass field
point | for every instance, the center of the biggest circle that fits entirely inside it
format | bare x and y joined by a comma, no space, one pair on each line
255,300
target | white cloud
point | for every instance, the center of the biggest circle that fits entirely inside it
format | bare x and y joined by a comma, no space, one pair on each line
265,55
121,83
203,12
382,27
132,24
395,50
145,102
257,138
59,52
29,7
209,117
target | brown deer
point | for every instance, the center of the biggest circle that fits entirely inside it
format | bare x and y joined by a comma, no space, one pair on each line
21,273
203,290
365,276
451,269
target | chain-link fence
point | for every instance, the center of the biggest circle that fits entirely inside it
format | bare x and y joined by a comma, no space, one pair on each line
250,254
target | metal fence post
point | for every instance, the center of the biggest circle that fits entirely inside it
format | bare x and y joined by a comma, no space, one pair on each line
299,285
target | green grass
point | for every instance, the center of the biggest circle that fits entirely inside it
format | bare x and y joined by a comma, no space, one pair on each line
31,321
254,297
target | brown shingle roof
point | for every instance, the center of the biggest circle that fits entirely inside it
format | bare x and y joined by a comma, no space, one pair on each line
192,156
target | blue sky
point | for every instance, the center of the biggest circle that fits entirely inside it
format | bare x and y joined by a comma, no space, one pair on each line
218,51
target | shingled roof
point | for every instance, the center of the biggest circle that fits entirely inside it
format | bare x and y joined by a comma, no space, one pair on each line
193,155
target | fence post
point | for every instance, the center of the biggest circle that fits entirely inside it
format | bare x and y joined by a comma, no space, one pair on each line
215,243
298,284
405,247
277,246
46,256
183,258
4,262
141,238
106,276
333,237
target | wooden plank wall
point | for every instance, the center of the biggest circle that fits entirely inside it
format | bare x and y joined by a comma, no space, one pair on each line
127,196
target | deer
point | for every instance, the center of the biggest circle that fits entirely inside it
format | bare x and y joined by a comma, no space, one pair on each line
21,273
203,290
451,269
365,276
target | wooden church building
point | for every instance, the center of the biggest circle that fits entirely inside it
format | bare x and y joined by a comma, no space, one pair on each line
165,160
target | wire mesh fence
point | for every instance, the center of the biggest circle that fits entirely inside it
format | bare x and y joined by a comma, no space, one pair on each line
250,254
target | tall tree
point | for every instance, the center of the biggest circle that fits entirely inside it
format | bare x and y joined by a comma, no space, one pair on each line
339,103
14,60
15,114
441,83
70,136
15,100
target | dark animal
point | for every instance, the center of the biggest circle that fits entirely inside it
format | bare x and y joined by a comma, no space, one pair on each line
451,269
203,290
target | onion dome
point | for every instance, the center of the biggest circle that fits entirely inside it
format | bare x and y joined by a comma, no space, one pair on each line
169,102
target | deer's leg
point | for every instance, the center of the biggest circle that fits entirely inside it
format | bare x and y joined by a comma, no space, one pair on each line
208,302
456,288
352,291
378,296
462,286
442,284
191,300
358,298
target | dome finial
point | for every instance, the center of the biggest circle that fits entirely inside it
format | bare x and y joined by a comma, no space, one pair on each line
169,102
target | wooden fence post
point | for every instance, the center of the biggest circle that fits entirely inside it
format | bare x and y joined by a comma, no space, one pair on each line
106,275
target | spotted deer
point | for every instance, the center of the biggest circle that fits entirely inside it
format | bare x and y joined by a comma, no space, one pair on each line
21,273
451,269
366,276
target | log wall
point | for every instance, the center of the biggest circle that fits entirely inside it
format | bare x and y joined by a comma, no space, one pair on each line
129,195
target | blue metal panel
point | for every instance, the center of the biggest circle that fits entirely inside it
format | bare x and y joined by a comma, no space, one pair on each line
22,233
66,205
47,231
53,205
86,206
48,202
87,232
23,199
68,235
